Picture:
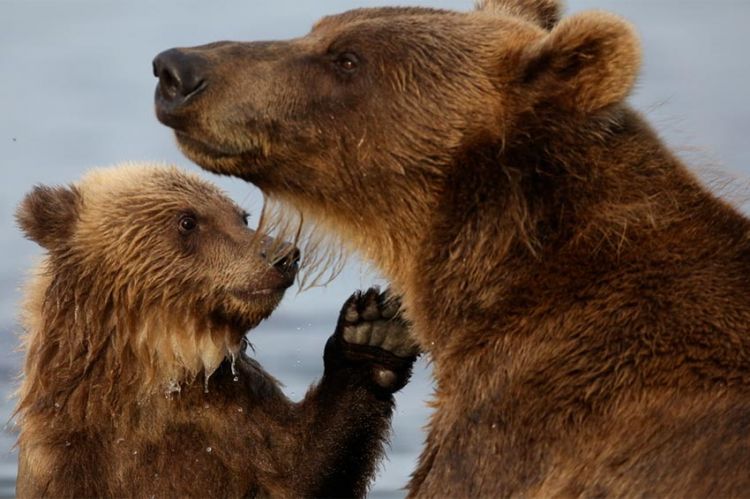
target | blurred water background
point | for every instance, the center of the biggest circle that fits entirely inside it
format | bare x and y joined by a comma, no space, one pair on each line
76,92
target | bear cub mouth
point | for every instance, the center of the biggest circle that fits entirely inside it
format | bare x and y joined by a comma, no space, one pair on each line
257,302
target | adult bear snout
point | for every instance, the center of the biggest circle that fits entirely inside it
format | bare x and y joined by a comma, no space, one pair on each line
181,77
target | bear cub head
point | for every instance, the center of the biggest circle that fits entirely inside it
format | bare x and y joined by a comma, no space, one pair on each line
151,274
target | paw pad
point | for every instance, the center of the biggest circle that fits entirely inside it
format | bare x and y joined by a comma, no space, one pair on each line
372,319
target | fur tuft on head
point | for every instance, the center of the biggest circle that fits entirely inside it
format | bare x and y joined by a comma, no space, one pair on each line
545,13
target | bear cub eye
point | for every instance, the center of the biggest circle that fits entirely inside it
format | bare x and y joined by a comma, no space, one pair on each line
187,223
348,62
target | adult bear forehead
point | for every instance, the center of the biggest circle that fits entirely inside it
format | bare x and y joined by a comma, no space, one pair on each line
377,13
476,27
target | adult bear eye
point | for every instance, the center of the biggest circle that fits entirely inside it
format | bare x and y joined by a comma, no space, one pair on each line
348,61
187,224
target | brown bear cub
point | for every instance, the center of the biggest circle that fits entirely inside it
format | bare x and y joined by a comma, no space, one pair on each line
584,300
136,382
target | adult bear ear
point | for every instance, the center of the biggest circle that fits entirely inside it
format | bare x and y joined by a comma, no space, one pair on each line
588,61
47,215
545,13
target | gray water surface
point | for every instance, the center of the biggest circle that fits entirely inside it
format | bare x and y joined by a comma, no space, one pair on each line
76,92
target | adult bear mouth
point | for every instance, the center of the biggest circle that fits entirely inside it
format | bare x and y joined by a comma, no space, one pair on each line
202,147
218,158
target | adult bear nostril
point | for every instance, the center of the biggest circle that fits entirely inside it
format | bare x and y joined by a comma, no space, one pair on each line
179,75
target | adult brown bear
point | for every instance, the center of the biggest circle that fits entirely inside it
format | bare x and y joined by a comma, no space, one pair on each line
150,283
585,301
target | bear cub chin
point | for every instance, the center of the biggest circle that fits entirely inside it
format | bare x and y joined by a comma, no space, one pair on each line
136,381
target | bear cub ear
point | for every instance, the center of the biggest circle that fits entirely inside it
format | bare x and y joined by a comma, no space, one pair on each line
47,215
587,62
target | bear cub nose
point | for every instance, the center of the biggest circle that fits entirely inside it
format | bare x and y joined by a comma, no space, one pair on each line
180,76
288,264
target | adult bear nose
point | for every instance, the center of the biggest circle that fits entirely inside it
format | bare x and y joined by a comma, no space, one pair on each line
180,75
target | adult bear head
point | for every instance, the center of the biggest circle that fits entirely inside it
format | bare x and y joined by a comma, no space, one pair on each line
389,100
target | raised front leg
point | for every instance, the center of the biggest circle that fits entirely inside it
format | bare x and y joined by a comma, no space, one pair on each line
347,415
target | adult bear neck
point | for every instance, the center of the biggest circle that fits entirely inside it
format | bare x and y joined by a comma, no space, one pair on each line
382,219
519,225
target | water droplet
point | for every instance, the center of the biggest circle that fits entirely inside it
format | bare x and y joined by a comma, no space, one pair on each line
57,405
240,409
67,444
119,440
232,365
172,387
236,378
135,452
208,449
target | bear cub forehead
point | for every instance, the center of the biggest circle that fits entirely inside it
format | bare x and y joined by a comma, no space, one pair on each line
130,182
108,201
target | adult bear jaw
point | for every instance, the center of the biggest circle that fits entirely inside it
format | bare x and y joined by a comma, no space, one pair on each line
219,158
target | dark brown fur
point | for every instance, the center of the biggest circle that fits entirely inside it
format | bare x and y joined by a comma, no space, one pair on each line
136,383
583,298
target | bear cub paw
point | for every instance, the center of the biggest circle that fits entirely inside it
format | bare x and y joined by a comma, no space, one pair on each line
372,333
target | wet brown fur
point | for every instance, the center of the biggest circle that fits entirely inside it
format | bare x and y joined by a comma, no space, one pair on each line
583,298
126,319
